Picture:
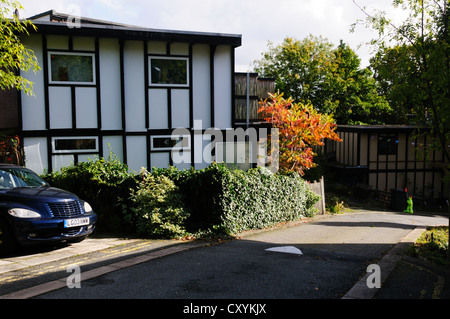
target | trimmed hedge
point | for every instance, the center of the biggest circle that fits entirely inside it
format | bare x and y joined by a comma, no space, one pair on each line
232,201
173,203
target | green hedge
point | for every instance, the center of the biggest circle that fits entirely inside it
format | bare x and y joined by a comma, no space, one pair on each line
173,203
233,200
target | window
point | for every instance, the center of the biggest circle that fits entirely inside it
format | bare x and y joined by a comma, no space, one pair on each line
387,144
71,68
166,71
74,144
169,142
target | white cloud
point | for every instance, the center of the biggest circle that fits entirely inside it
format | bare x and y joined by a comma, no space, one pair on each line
259,21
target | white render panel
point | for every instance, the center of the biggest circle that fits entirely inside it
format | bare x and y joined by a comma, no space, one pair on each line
33,107
160,160
202,151
158,116
157,47
86,107
113,144
179,48
84,43
60,161
110,84
201,78
87,157
137,152
222,87
180,108
36,153
134,86
60,106
60,42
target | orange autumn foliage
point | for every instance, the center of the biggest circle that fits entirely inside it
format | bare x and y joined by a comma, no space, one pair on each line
301,128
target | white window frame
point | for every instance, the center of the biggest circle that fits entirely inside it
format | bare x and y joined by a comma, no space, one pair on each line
174,148
90,150
156,57
49,55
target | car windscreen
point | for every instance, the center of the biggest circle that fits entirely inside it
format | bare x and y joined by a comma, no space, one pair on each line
19,177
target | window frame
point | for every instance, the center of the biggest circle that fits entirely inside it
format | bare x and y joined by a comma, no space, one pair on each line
389,148
89,54
159,57
90,150
171,148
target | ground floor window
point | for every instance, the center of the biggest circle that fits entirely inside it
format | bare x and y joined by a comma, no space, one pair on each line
74,144
170,142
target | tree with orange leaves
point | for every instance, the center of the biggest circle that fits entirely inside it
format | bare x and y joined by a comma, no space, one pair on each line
301,128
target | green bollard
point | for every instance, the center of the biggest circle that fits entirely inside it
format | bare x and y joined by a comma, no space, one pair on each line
409,208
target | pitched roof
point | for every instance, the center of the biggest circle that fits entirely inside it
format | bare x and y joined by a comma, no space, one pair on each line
53,22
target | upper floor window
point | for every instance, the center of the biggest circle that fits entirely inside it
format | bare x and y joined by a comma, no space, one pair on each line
71,68
169,71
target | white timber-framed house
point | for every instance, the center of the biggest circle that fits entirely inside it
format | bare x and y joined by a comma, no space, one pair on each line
107,87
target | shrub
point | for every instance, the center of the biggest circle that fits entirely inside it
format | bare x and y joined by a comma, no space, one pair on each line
432,245
102,183
169,202
157,208
231,201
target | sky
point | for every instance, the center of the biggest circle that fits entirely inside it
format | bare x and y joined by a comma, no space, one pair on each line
258,21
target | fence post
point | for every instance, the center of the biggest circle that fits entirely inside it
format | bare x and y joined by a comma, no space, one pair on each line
318,187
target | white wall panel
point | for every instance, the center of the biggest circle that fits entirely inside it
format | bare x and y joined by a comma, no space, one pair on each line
201,78
33,107
222,87
60,161
113,144
157,47
84,43
180,108
60,42
179,48
86,107
158,109
60,106
134,86
110,84
136,152
160,160
36,153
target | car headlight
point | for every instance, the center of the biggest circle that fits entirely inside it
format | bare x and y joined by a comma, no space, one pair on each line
23,213
87,208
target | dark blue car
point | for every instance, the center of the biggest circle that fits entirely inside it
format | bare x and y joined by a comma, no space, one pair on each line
32,212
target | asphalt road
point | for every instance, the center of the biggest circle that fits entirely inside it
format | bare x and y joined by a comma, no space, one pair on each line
335,250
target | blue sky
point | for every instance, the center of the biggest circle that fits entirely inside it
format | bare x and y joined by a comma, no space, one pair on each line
259,21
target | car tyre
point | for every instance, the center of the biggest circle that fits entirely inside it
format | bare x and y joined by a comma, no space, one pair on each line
8,243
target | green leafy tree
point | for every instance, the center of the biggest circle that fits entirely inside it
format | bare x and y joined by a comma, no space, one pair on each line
14,56
353,93
311,71
413,63
396,71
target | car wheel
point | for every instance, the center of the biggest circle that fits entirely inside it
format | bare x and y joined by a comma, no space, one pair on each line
8,243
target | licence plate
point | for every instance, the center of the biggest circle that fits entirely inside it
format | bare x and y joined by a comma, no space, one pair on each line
76,222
